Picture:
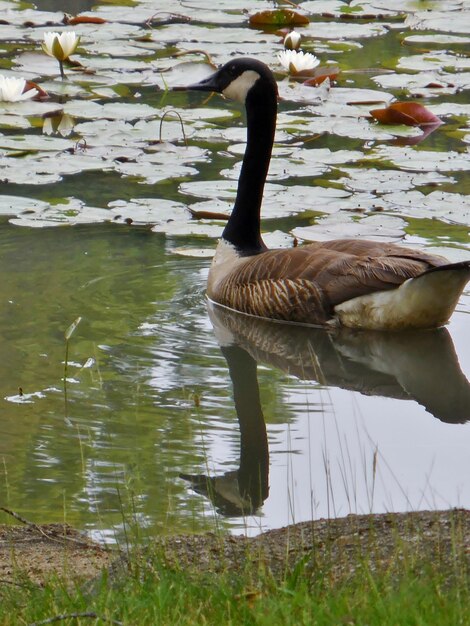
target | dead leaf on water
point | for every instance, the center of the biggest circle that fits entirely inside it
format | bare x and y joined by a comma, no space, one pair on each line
280,17
408,113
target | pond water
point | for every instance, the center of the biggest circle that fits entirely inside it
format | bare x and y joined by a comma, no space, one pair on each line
175,417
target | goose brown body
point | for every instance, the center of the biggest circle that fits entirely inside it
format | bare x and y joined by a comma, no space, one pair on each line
306,283
350,282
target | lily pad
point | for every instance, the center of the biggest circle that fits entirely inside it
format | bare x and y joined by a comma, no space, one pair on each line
388,181
278,17
375,227
421,161
148,211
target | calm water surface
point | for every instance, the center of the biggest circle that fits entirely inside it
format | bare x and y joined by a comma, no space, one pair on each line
158,400
178,418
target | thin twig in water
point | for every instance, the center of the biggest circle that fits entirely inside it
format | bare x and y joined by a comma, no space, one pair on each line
48,536
183,53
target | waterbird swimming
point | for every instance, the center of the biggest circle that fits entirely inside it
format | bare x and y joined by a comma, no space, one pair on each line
349,282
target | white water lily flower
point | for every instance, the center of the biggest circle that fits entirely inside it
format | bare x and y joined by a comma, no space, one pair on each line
292,40
12,89
60,45
296,61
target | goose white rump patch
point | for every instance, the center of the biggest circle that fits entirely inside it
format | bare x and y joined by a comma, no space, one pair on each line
426,301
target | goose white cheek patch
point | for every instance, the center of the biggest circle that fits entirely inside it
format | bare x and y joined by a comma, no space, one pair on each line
238,88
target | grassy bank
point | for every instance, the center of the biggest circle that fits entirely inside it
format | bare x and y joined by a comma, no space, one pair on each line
414,573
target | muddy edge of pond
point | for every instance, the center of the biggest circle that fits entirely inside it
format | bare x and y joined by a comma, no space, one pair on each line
337,546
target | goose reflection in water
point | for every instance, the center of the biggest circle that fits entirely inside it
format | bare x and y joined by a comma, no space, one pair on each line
409,365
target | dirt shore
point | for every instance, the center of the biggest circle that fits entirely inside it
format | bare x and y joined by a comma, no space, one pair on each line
441,538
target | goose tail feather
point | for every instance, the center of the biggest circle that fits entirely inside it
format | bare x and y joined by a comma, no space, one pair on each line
426,301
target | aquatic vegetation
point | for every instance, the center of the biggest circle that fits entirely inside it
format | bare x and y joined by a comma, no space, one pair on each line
14,89
297,61
292,40
408,113
60,46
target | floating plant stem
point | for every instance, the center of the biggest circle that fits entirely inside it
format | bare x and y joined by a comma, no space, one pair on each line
68,333
181,122
60,46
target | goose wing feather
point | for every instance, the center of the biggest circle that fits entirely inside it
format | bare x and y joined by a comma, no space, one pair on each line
304,284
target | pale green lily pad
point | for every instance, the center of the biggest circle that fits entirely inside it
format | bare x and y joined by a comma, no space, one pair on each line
437,39
146,171
448,207
109,110
279,201
215,205
449,83
296,163
28,108
33,143
411,6
188,229
143,11
435,60
31,64
386,181
347,126
148,211
375,227
451,108
338,8
13,120
72,212
407,158
457,21
282,169
13,205
203,253
278,239
338,31
45,168
18,15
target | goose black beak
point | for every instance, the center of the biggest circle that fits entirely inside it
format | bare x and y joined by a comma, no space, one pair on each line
210,83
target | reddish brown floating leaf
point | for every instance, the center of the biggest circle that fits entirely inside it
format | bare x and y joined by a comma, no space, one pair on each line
41,93
321,74
408,113
281,17
85,19
208,215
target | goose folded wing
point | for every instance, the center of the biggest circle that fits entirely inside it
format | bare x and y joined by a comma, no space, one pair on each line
297,283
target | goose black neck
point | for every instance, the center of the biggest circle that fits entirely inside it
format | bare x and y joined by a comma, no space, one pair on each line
243,228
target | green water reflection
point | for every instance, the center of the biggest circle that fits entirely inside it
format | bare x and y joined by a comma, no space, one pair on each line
155,400
130,416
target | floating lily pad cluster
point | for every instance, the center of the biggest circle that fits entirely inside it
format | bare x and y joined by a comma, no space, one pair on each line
161,158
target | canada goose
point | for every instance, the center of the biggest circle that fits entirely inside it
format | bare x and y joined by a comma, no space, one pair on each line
359,284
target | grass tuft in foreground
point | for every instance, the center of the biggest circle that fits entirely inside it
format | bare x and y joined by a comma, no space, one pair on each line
377,570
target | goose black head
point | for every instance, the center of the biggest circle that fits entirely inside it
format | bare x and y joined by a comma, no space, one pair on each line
239,78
